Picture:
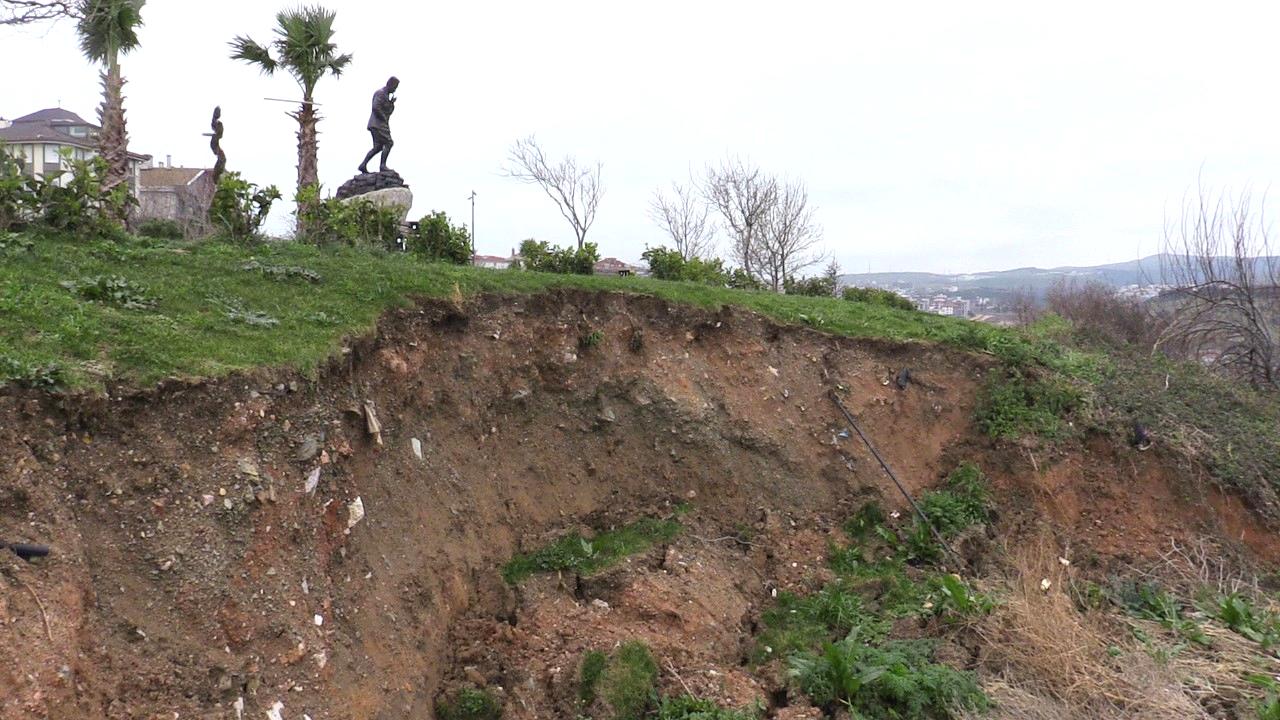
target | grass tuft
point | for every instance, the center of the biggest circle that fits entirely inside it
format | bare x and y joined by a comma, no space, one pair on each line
582,555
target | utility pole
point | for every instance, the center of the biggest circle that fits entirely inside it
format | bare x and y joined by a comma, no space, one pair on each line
472,198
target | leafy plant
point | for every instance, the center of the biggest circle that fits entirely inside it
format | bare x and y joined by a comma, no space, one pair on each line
76,203
898,680
112,290
17,192
439,240
282,272
39,377
1237,613
955,596
469,704
239,207
233,310
12,242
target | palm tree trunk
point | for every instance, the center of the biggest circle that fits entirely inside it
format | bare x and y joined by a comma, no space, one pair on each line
113,142
308,146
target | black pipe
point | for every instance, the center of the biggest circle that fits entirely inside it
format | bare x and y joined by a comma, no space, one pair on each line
25,551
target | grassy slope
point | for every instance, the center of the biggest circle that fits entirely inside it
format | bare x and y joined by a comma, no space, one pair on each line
189,332
50,336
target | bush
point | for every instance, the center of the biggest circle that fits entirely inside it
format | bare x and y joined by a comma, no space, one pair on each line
821,286
877,296
469,704
438,239
345,222
667,264
542,257
161,229
240,207
1099,315
898,680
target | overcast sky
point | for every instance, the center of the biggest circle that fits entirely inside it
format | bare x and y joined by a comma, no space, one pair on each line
938,136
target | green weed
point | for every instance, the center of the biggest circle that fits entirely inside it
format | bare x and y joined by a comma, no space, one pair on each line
593,664
469,704
628,682
582,555
687,707
896,680
1013,404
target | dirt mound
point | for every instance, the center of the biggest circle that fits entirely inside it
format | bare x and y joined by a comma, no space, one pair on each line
192,569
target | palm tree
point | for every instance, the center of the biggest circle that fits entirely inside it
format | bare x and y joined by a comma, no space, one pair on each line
108,29
303,47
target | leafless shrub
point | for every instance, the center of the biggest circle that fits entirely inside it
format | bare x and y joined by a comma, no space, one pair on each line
576,189
1026,309
1101,314
1225,297
684,216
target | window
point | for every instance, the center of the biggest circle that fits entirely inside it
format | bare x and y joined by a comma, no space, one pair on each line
51,156
79,131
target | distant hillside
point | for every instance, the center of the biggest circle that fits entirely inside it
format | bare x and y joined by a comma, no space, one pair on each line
1134,272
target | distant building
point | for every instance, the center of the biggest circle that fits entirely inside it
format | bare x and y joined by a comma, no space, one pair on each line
175,193
614,266
493,262
39,141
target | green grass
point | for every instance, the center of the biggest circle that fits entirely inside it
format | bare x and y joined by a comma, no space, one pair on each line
687,707
582,555
212,316
629,681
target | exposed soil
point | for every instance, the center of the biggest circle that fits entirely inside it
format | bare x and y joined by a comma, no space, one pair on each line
190,569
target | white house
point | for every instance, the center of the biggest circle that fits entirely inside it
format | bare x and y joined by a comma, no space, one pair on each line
39,139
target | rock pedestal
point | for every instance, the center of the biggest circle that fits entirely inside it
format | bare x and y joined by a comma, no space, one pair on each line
384,189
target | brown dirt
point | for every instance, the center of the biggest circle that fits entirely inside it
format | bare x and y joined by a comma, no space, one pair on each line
189,566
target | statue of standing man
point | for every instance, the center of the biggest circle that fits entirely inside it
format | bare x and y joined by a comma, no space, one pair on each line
384,103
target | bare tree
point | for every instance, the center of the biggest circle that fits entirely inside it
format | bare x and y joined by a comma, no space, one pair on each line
25,12
742,194
788,239
576,189
685,217
1225,288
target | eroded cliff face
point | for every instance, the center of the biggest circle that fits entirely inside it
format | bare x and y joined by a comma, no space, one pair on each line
192,569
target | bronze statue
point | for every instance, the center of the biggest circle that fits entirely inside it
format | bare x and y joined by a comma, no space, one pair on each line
384,103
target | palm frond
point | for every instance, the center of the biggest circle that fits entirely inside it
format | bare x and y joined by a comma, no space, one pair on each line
109,27
243,48
339,64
